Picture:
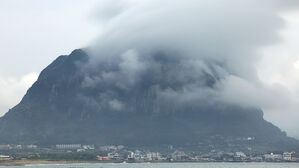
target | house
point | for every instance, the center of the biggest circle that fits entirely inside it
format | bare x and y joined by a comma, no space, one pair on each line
287,156
4,157
179,155
5,147
102,158
153,156
273,157
31,146
68,146
88,147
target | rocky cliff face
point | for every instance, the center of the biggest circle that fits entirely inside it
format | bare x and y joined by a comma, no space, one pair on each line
71,103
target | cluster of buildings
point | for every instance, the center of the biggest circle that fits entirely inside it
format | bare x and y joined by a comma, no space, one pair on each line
240,156
133,156
122,153
177,155
77,147
9,147
285,156
5,157
112,147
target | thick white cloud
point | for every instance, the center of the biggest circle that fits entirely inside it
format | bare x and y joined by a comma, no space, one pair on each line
236,41
279,67
13,89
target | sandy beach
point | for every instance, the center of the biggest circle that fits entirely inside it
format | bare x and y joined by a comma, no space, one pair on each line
35,162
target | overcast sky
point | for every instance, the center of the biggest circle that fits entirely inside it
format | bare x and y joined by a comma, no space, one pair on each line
34,32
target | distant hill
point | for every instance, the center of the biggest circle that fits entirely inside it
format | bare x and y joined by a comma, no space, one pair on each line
68,104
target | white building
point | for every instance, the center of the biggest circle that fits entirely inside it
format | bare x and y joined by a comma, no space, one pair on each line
108,148
273,157
139,155
88,147
153,156
240,154
68,146
4,157
31,146
113,156
179,155
287,156
5,147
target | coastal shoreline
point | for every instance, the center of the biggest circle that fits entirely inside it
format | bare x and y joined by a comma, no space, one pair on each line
46,162
38,162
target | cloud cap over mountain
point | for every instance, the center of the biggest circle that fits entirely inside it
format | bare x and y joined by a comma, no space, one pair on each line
195,38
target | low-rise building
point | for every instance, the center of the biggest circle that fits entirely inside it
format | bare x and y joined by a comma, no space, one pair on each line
139,155
18,147
31,146
295,157
114,156
179,155
88,147
81,150
256,158
273,157
153,156
240,156
102,158
5,147
108,148
5,157
287,156
68,146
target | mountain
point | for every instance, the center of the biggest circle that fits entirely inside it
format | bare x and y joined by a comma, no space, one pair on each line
69,103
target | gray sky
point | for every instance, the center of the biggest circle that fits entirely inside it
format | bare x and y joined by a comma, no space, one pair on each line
34,32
